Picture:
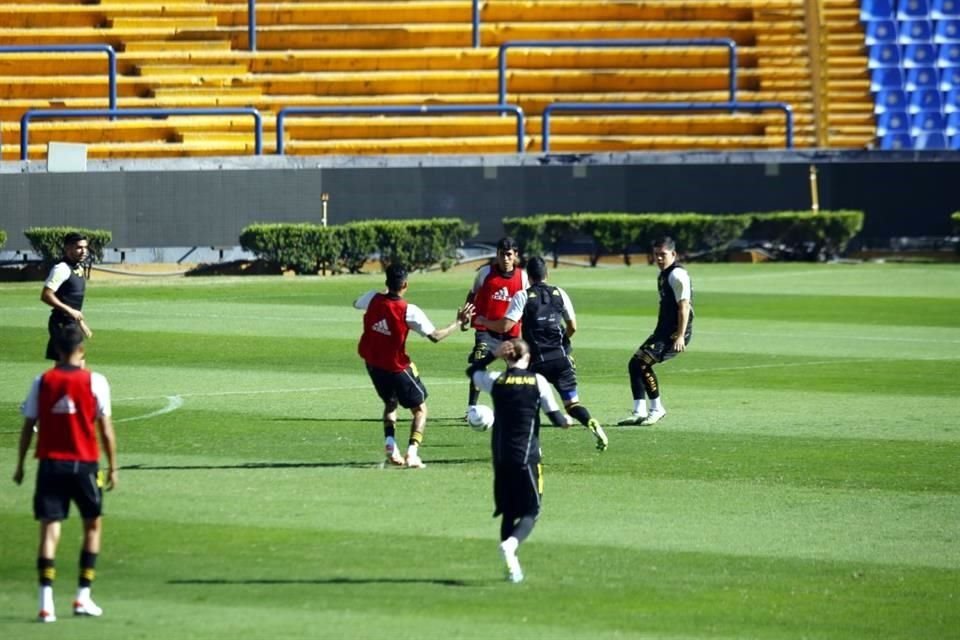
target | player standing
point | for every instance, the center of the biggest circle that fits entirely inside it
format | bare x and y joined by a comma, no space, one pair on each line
548,321
671,336
387,320
518,397
72,406
492,290
64,290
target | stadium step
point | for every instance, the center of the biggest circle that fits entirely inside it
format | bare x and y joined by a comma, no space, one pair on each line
189,47
185,70
174,23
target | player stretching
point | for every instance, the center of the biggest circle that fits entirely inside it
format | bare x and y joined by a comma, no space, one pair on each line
72,405
518,397
492,291
548,321
670,337
387,320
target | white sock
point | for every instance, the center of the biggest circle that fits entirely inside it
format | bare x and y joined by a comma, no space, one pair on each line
510,545
655,404
83,593
640,407
46,599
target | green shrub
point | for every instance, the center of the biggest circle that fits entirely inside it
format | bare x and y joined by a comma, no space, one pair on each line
953,216
3,238
804,233
48,241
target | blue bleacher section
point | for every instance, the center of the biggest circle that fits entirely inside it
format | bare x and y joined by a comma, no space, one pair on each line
913,54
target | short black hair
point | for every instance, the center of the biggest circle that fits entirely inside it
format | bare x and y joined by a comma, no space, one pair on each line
68,340
537,268
73,238
666,242
507,243
396,276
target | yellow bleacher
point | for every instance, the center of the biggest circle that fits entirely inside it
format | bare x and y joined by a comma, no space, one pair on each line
192,53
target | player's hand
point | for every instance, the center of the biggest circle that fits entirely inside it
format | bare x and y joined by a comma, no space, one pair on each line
113,479
18,475
76,314
87,331
679,344
465,315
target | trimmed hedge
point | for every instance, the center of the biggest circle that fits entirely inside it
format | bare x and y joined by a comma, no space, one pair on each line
3,238
309,248
956,221
48,241
805,233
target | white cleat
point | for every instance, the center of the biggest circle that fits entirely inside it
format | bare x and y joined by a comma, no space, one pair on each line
655,416
598,433
634,419
413,461
393,456
86,607
514,572
46,616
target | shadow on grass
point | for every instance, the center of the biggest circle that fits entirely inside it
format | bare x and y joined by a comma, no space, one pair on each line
286,465
443,582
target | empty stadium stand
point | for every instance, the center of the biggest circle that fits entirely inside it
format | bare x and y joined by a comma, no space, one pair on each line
193,53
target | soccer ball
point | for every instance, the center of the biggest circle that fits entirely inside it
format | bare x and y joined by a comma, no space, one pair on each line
480,417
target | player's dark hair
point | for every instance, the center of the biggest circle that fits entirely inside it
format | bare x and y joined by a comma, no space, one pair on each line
666,242
73,238
396,276
537,269
68,340
507,243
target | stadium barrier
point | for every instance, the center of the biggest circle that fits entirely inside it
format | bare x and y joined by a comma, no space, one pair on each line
730,45
425,109
53,114
592,107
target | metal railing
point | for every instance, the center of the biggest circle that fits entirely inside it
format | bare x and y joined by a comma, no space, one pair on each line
729,44
475,15
56,114
422,110
252,25
596,107
77,48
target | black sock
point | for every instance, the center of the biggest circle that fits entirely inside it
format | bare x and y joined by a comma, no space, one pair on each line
88,568
474,395
580,413
524,528
636,379
46,571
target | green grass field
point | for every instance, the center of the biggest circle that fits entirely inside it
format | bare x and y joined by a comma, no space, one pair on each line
804,484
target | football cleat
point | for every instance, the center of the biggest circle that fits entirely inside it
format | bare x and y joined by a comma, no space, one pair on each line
46,616
598,433
633,419
514,571
655,416
86,607
393,456
413,461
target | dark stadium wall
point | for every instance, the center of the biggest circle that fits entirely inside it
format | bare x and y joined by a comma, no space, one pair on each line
198,204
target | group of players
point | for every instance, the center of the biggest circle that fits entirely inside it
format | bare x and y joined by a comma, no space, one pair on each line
516,316
519,317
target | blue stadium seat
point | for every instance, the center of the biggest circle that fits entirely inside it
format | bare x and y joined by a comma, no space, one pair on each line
915,32
929,141
880,32
883,55
951,101
890,100
923,100
913,9
927,122
922,78
949,78
919,55
948,55
941,9
890,78
953,124
893,122
947,31
896,142
876,10
953,143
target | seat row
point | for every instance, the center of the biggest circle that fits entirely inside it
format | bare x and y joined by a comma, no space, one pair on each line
888,55
912,31
909,9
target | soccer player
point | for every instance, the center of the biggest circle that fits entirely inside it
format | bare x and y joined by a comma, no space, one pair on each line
492,290
70,406
518,395
64,290
387,320
671,336
548,321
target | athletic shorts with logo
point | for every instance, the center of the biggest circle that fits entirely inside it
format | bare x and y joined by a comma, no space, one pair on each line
60,482
517,489
404,387
659,348
561,373
485,342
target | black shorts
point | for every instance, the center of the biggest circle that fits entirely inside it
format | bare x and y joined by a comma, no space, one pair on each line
56,326
59,482
561,373
403,387
517,489
485,342
659,348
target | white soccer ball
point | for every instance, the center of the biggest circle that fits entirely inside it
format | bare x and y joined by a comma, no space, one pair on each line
480,417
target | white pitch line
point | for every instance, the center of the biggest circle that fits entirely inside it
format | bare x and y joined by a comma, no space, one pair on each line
173,403
256,392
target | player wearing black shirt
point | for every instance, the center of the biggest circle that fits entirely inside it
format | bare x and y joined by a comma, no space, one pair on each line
64,291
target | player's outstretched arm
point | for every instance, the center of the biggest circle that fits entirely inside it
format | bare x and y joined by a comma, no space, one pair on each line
464,315
26,435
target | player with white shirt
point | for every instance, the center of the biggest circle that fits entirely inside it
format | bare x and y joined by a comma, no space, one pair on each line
70,406
387,320
670,338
